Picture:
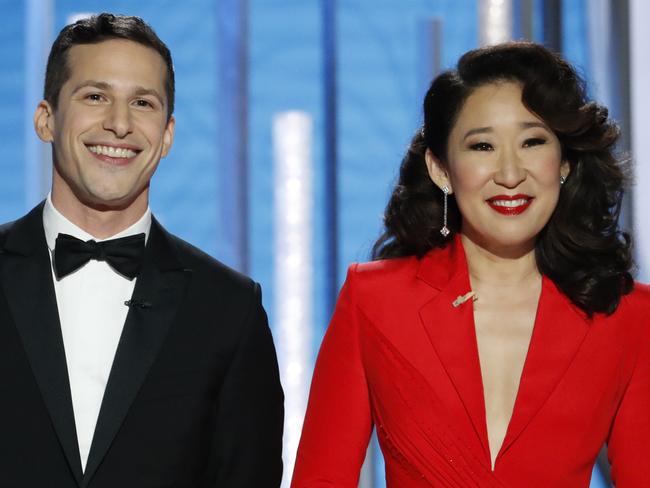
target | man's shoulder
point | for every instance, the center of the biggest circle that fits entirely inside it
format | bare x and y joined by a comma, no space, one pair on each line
4,231
205,267
26,227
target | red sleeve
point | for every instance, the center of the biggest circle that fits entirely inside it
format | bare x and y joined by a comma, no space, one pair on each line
338,422
629,440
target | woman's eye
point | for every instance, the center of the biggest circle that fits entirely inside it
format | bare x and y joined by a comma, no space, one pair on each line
481,146
94,97
534,141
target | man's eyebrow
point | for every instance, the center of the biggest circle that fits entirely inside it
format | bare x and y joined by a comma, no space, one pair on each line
102,85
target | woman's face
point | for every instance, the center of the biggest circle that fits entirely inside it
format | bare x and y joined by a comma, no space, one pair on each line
504,166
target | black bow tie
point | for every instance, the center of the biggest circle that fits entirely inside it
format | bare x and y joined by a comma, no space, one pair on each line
124,255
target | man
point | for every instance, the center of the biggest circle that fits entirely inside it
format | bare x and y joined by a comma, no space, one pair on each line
123,365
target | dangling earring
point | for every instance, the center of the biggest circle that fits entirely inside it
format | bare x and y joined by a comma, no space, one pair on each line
445,230
562,180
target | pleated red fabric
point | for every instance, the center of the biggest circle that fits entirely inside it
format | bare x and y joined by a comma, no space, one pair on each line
399,357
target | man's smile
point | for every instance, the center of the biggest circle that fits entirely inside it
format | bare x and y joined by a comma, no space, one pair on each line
119,155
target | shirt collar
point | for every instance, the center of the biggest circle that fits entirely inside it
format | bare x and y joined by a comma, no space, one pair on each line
55,223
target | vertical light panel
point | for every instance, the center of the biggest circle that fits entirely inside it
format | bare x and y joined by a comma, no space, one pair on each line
429,52
552,23
609,58
232,155
38,37
640,108
292,151
495,21
330,150
600,38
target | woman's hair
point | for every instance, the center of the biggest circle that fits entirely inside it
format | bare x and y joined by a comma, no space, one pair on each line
581,247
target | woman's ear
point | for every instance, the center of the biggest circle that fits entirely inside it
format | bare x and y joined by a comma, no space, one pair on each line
437,171
565,169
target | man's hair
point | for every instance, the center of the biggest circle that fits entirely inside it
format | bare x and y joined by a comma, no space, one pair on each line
94,30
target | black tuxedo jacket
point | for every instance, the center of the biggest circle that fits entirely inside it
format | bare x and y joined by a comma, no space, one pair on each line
193,398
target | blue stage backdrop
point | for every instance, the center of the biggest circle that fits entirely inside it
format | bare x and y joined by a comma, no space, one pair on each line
386,53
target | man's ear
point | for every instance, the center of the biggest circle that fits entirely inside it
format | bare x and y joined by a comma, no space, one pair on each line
437,171
44,121
168,136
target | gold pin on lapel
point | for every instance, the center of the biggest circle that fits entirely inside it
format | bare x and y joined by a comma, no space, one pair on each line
463,298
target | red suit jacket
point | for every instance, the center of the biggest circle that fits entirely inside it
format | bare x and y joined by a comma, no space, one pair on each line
398,355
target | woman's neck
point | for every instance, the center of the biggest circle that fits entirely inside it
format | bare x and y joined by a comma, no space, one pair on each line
503,268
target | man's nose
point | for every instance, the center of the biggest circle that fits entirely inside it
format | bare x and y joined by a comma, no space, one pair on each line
118,120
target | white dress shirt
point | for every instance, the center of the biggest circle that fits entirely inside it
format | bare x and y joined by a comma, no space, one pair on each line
92,314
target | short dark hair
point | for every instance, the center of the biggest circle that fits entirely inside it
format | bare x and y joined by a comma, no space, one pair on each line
96,29
581,247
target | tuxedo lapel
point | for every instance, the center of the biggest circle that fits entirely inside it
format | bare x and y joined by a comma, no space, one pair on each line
161,287
27,283
560,329
452,333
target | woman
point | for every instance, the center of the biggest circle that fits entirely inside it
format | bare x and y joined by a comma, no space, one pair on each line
500,340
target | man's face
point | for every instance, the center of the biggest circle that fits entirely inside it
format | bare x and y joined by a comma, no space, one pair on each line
110,128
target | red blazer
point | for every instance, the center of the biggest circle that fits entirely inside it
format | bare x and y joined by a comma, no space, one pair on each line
398,355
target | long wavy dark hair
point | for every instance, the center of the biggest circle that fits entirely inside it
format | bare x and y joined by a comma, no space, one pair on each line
581,247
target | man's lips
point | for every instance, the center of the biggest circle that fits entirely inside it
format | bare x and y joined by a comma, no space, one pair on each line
510,204
122,154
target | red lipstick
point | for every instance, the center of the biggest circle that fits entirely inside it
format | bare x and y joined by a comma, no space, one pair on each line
510,204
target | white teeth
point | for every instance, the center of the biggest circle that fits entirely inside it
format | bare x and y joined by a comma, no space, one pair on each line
113,152
510,203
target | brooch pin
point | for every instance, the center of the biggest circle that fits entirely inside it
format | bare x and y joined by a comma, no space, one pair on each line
463,298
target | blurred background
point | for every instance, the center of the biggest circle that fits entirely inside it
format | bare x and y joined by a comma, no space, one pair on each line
292,118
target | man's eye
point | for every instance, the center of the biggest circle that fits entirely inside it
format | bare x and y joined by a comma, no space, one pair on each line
94,97
481,146
534,141
143,103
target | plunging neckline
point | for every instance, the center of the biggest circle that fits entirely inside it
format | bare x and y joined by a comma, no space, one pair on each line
558,333
519,382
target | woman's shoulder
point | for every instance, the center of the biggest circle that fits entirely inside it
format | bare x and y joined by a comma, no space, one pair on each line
633,311
639,296
384,268
396,277
637,302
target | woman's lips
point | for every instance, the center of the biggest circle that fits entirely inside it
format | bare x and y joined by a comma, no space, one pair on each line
510,204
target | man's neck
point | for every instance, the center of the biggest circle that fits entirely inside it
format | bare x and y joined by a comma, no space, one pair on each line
102,221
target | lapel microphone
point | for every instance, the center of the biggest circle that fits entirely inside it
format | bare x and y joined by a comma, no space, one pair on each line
137,303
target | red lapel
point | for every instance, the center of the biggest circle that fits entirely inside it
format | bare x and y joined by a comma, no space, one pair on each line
451,330
559,330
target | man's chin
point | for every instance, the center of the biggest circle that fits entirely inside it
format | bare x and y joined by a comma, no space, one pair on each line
106,202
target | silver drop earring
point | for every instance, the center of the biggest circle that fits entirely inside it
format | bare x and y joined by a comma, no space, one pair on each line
562,180
445,230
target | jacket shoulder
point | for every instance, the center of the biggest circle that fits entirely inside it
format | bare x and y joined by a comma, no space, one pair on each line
379,283
384,269
637,302
206,267
4,232
639,297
